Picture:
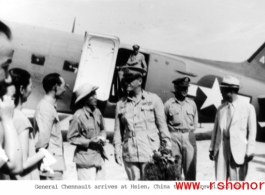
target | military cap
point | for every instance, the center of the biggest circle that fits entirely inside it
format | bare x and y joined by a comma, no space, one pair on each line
230,82
182,82
130,72
137,47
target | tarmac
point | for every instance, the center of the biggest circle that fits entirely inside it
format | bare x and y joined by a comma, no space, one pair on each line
205,167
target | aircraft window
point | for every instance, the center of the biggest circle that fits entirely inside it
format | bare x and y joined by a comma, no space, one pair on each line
70,66
122,58
38,60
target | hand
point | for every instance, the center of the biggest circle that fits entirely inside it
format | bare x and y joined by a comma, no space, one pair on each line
94,139
101,138
48,160
118,159
6,108
249,157
211,155
44,168
166,144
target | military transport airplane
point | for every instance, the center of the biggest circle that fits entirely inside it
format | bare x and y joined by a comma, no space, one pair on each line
97,58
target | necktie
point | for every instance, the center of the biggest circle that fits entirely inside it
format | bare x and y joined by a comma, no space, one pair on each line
228,115
228,119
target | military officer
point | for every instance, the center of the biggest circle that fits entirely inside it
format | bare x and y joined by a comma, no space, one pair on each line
137,59
182,118
140,125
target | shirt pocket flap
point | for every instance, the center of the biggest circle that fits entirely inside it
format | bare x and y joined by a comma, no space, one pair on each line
98,121
83,131
154,141
173,112
190,112
147,107
153,136
121,111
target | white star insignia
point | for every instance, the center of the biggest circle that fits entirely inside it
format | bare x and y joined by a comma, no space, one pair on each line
214,96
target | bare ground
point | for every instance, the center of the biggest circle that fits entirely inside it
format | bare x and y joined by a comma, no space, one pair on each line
205,167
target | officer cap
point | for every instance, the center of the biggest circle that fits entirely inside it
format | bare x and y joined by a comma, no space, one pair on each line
130,72
136,47
182,82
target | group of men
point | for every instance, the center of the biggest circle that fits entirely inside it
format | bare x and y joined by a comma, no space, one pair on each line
141,114
143,124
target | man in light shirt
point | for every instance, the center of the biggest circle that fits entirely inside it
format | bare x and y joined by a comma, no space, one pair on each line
47,125
234,134
137,59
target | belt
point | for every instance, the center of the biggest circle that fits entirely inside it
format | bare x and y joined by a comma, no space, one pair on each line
133,133
180,131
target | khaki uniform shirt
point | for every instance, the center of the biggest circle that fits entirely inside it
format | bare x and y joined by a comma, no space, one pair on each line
136,60
48,131
85,125
181,115
139,127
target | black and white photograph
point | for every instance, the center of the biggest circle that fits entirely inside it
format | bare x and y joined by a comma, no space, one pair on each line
142,90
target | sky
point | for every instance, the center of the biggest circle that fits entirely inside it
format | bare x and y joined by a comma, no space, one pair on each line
224,30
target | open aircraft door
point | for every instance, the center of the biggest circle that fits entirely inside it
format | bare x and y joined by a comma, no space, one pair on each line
97,63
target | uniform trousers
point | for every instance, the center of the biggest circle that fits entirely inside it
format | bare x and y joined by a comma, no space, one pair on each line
225,165
184,145
91,173
135,170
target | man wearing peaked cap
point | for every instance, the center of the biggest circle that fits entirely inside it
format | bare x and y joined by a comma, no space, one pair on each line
182,82
140,125
137,59
136,47
132,72
87,131
234,134
182,118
